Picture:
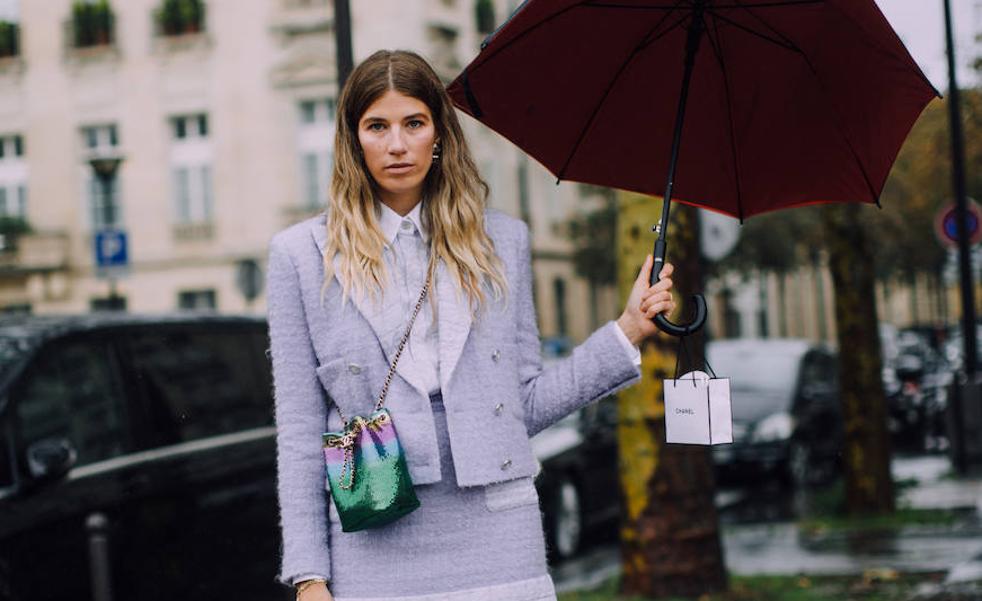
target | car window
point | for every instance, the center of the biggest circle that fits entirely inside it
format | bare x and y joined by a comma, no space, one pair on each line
198,382
71,391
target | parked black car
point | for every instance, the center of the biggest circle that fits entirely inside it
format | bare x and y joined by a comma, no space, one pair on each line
787,421
579,485
154,432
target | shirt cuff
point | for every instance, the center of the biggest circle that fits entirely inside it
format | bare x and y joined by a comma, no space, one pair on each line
632,351
303,577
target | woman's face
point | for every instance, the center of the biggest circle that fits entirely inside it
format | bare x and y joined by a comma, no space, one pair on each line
397,134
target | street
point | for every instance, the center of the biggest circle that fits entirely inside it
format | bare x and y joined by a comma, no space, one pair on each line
761,534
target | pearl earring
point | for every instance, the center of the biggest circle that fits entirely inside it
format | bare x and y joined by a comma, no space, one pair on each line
436,151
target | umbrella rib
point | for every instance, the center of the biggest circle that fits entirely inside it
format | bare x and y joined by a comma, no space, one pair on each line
644,43
768,4
716,45
838,120
787,45
633,6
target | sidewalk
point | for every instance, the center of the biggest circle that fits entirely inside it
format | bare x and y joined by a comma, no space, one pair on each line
954,550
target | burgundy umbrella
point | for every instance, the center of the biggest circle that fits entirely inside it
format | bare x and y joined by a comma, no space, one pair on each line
741,106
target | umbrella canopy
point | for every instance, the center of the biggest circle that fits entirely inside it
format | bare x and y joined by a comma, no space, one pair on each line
790,102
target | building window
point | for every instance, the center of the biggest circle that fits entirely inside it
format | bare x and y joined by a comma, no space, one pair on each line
443,48
559,292
178,17
190,126
316,149
92,23
13,177
104,206
108,303
196,299
191,175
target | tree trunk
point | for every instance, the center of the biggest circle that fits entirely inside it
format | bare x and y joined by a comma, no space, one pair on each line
670,539
866,455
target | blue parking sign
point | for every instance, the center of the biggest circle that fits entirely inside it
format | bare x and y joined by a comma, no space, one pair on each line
110,249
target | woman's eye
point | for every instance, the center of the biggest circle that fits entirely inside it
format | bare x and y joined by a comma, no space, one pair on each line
415,123
376,126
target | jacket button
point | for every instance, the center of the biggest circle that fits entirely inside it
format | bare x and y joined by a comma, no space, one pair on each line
495,355
354,368
506,464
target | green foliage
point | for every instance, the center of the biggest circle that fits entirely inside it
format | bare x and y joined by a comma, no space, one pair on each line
9,39
594,254
12,227
176,17
902,231
92,23
484,16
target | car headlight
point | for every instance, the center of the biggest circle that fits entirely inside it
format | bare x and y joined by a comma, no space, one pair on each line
777,426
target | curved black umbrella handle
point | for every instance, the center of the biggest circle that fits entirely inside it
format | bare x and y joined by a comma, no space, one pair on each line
660,320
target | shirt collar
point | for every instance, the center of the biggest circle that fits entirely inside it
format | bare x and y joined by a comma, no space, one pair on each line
390,221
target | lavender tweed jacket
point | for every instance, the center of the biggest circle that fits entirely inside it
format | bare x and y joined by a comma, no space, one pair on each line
494,387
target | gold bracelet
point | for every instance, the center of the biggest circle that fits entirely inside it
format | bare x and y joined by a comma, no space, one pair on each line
307,584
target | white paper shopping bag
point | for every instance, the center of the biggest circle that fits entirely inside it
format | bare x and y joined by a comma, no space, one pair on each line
697,409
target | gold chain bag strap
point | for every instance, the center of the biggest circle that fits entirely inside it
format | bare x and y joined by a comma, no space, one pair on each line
366,465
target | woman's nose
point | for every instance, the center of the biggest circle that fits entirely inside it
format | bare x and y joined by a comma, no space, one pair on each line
397,142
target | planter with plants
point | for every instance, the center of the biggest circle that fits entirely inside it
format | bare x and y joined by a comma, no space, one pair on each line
9,39
92,23
177,17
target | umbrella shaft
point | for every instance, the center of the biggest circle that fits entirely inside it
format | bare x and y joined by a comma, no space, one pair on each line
691,48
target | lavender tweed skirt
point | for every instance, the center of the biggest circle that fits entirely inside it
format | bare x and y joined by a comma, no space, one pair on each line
479,543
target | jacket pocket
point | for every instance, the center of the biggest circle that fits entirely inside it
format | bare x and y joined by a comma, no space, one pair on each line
345,390
510,494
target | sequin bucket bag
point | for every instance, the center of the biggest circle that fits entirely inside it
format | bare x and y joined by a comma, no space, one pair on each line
366,465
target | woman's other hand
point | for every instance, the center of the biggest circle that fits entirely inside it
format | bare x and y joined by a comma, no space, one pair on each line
316,592
647,301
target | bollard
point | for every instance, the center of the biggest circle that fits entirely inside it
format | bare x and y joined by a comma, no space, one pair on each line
97,525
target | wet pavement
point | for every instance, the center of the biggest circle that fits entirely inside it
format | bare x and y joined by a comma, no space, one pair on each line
761,536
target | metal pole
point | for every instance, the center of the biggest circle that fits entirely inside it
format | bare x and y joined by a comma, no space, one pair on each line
100,568
342,36
958,186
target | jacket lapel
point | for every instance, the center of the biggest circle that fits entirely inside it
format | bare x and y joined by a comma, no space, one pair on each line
453,318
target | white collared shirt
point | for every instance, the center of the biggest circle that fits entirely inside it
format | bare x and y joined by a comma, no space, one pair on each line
407,262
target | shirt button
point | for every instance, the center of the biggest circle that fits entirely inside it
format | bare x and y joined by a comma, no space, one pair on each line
495,355
498,408
406,225
506,464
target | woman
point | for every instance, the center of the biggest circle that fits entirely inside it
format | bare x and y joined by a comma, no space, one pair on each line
407,204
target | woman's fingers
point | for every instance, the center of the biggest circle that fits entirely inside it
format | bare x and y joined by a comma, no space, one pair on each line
662,286
659,307
659,298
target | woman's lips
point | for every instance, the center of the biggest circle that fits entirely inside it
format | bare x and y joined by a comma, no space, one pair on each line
400,168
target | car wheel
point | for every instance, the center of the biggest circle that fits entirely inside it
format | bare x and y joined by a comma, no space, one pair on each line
567,520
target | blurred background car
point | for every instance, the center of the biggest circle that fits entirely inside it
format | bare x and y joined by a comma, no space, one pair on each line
154,434
917,393
786,414
578,483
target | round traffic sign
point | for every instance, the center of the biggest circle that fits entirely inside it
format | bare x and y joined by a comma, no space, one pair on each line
946,224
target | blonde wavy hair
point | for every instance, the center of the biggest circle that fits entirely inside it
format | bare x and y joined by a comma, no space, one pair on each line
454,193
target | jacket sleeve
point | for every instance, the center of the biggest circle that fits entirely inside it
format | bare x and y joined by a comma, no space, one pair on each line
597,367
300,411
